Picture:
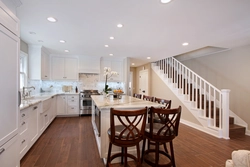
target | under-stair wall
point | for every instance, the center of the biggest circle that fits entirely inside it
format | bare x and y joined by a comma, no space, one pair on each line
208,104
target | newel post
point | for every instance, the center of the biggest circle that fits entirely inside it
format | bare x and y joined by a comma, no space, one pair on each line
225,113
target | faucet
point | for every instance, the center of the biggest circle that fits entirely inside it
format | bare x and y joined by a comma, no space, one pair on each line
24,95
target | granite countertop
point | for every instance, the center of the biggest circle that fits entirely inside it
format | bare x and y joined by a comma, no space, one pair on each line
41,97
126,102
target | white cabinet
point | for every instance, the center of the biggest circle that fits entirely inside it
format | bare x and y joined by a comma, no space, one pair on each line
64,68
89,64
53,108
9,72
39,63
23,132
115,65
33,123
9,154
68,104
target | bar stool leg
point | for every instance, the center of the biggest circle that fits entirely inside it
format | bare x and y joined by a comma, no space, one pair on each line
125,157
156,154
143,149
109,154
172,153
138,155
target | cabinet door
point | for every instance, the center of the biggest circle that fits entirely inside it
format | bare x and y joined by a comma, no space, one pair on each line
33,124
118,67
70,69
53,108
61,104
45,66
9,72
57,65
8,153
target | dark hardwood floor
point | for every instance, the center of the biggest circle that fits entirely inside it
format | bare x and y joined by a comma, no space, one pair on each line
69,142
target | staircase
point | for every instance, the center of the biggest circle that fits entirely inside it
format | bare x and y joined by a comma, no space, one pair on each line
208,104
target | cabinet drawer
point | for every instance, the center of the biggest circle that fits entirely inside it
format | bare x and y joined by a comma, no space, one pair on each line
72,102
23,126
23,147
72,97
24,114
73,110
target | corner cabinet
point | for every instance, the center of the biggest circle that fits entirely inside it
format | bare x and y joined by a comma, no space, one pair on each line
115,65
64,68
9,65
39,63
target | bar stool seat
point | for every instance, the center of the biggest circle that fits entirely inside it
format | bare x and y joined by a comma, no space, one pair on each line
127,128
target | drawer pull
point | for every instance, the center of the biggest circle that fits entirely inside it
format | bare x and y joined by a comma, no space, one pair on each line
72,108
23,141
23,123
2,150
45,115
35,108
72,100
23,115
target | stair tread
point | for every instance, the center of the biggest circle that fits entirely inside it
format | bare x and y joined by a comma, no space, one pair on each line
234,126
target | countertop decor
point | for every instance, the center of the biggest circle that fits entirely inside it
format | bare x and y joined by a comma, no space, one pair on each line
108,73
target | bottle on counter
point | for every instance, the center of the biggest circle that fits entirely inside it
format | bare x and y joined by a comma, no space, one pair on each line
76,89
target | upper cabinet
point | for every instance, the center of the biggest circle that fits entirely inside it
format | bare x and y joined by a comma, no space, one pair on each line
39,63
115,65
89,64
64,68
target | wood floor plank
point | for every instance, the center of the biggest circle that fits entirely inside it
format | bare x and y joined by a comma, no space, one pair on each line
70,142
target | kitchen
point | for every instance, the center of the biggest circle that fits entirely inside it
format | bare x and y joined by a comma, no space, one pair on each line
87,72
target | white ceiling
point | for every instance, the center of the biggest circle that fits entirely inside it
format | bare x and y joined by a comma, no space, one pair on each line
150,27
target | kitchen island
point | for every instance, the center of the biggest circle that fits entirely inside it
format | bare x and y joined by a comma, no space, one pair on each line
101,118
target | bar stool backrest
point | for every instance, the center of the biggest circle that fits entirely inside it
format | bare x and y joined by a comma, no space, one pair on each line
167,103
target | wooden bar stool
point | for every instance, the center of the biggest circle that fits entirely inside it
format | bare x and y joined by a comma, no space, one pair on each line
137,95
162,133
127,129
148,98
166,103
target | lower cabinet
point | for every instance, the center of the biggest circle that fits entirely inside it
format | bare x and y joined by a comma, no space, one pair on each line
68,105
8,152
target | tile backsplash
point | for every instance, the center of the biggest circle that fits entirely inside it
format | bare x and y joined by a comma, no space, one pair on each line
86,81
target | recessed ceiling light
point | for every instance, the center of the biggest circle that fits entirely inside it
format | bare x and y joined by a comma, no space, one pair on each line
148,57
52,19
111,54
185,44
111,37
133,64
40,40
62,41
106,46
33,33
66,50
119,25
165,1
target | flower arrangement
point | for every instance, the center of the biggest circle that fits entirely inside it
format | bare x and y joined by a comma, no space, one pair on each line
107,74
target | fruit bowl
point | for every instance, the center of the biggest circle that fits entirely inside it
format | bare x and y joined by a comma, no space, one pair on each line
117,93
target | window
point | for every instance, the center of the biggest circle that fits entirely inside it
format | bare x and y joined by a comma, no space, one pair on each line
23,69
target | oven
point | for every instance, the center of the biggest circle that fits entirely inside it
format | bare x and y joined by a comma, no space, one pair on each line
86,101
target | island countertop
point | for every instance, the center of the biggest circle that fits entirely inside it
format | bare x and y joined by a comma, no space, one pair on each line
126,102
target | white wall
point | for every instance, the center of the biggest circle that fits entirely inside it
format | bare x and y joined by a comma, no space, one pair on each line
228,70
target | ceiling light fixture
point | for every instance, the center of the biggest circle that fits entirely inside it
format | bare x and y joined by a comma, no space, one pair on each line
148,57
165,1
111,54
133,64
66,50
111,37
119,25
106,46
62,41
52,19
185,44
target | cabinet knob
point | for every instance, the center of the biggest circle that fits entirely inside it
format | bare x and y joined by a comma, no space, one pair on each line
35,108
23,123
23,141
45,115
23,115
2,150
45,76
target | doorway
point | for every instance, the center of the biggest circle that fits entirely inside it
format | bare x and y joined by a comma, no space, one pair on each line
143,82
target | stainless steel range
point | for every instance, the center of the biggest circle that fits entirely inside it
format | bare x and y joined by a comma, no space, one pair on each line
86,101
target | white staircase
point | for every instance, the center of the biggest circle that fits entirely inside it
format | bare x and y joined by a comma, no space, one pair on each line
209,105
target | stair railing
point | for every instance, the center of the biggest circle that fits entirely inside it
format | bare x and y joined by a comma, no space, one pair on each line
212,103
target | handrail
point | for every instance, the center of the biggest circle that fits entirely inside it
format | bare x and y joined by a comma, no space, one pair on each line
203,95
